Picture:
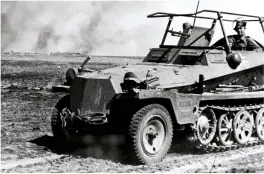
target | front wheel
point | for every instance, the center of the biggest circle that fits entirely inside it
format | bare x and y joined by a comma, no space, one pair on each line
59,125
150,130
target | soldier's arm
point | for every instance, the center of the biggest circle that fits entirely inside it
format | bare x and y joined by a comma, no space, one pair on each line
252,45
222,42
232,43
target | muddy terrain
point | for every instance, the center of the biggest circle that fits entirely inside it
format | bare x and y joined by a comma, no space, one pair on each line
27,144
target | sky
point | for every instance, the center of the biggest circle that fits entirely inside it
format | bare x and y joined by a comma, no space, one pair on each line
114,28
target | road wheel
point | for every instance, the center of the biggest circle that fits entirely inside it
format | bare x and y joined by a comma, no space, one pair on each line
260,124
225,130
242,126
206,126
150,130
58,123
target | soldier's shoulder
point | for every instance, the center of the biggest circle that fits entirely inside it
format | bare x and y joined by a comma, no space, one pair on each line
250,38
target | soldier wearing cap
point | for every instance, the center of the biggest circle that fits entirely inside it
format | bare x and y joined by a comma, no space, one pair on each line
240,41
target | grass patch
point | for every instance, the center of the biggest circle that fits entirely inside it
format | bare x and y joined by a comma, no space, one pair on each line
40,73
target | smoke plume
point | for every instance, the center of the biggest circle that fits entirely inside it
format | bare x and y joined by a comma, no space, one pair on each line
45,34
103,27
86,27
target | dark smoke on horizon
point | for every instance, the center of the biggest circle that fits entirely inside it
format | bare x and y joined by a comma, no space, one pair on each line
45,34
85,27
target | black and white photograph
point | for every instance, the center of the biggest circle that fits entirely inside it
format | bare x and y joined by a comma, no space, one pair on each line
132,86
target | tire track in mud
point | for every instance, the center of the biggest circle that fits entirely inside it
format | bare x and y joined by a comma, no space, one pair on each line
25,162
221,161
240,160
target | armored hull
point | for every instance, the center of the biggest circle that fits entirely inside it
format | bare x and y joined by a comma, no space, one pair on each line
215,91
93,92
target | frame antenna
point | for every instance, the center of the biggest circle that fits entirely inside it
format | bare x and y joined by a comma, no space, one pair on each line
196,12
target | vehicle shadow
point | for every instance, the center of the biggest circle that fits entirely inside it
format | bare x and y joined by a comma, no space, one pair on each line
181,144
110,147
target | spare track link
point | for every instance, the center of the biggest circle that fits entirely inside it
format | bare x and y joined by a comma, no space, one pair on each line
213,147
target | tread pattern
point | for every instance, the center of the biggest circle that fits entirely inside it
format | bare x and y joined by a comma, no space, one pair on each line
56,124
134,126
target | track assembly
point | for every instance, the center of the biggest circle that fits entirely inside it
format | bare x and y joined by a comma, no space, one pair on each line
235,128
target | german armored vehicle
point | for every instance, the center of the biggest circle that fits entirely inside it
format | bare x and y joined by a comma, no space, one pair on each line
215,91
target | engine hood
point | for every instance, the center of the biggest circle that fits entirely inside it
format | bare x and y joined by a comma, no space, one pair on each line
93,92
168,75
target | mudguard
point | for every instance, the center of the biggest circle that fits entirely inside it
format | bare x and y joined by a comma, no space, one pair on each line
185,106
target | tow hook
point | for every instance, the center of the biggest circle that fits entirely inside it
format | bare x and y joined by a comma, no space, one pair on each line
96,119
67,117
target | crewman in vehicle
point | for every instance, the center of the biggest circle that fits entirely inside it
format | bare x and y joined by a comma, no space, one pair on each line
240,41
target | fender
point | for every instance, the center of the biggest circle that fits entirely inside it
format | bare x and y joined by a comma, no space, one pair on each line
185,106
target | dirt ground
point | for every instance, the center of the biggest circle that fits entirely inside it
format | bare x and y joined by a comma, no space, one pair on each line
27,144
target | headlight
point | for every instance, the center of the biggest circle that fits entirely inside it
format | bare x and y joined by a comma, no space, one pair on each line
131,82
233,60
70,75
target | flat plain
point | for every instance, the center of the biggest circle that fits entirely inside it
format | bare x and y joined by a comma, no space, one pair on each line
27,144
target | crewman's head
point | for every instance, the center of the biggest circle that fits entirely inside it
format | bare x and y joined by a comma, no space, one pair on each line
186,25
240,28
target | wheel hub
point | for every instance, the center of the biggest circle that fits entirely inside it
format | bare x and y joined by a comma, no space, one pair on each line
203,123
153,136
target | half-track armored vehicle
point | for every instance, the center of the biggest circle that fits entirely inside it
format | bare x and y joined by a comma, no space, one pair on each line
211,89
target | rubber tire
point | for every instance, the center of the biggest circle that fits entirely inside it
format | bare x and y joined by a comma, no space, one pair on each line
137,123
56,127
